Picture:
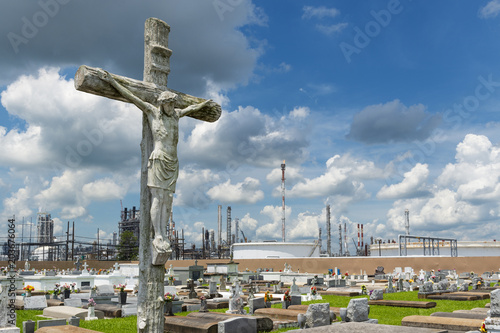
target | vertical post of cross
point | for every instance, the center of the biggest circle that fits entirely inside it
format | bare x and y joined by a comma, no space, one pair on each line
150,312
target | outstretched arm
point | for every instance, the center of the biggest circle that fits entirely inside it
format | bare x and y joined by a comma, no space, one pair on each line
193,108
144,106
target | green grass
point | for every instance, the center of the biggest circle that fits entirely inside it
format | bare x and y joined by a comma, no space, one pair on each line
385,314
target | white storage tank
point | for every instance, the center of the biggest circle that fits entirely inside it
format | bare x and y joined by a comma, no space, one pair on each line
274,250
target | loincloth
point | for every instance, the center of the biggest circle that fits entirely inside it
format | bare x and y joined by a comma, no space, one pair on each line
163,170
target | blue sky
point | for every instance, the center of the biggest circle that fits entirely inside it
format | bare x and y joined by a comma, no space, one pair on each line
376,106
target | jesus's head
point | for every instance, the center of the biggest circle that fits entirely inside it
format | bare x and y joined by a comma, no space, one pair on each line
167,97
167,100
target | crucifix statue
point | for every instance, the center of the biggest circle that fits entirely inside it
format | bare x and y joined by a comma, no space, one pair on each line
162,107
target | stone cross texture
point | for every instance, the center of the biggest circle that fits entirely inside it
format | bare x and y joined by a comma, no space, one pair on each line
162,108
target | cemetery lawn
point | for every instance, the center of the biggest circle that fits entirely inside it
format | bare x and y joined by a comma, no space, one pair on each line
390,315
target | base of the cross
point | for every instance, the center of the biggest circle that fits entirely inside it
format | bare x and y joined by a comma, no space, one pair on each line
159,258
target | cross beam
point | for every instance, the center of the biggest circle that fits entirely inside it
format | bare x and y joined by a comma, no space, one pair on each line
87,80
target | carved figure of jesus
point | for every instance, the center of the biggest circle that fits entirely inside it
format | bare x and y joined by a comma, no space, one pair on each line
163,166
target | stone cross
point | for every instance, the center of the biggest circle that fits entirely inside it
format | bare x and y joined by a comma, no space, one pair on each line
161,109
116,266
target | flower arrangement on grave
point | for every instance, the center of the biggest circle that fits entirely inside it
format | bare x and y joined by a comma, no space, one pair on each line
200,280
120,286
73,285
483,328
410,280
287,297
202,298
363,289
171,278
66,286
169,297
29,288
94,288
314,290
268,297
91,302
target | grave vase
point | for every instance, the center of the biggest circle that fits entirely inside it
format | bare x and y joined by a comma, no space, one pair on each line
91,312
93,293
28,293
268,304
285,304
168,309
123,297
67,293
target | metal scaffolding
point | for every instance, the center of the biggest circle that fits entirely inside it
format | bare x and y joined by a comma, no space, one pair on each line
430,245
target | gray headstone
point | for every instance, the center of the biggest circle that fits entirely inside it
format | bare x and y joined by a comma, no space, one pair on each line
74,302
51,322
212,288
495,303
255,303
74,321
358,310
239,324
377,294
35,303
296,300
427,287
105,290
317,314
29,326
464,287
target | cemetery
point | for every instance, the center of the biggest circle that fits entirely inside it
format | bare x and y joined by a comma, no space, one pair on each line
224,297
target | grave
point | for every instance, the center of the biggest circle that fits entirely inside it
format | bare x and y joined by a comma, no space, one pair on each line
64,329
444,323
74,302
357,311
263,323
335,310
352,327
35,303
238,324
279,314
67,312
191,325
463,315
404,304
316,315
109,310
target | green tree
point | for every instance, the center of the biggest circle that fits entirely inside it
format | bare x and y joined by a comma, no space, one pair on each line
128,248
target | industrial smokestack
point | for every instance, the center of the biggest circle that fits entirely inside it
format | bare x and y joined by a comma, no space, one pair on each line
328,232
228,230
407,222
320,241
236,229
340,239
359,238
283,201
345,240
219,225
